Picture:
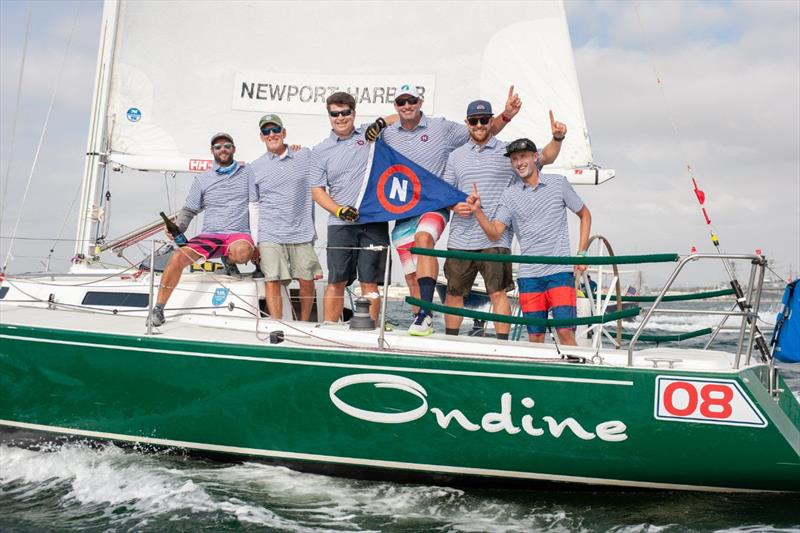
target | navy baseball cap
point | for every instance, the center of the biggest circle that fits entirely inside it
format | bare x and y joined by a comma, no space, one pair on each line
478,108
520,145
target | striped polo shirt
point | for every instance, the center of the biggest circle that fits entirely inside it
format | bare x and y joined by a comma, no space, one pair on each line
538,216
429,143
281,187
491,171
224,198
340,164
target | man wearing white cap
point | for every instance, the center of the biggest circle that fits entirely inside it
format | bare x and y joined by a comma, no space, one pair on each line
428,141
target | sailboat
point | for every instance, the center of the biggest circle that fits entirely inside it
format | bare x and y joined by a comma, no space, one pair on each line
76,358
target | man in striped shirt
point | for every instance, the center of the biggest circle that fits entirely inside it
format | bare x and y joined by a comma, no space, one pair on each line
535,207
223,194
428,141
340,163
286,231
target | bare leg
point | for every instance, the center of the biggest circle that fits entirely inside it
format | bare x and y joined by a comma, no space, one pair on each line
240,252
306,298
274,300
453,321
181,258
566,337
413,289
536,337
427,266
501,306
375,303
334,301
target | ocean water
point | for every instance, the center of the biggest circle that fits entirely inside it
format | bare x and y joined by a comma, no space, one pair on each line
90,486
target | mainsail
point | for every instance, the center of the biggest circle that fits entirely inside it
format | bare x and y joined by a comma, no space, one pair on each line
172,73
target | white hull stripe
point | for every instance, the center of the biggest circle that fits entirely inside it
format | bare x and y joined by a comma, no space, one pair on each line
327,364
371,462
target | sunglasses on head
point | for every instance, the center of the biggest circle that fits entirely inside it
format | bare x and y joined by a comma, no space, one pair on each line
345,113
400,102
266,130
473,121
220,146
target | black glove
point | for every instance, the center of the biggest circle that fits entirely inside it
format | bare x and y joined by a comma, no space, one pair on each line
347,213
374,130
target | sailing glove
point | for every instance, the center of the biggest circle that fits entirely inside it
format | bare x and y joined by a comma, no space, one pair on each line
374,130
347,213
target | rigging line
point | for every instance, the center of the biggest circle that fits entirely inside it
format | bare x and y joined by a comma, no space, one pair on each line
16,110
41,137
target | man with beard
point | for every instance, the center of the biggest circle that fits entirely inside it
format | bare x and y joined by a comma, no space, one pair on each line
340,164
223,194
286,231
428,141
535,207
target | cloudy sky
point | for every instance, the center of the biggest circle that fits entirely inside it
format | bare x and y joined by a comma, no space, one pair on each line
731,78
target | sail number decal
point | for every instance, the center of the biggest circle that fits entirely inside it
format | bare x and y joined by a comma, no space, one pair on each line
705,401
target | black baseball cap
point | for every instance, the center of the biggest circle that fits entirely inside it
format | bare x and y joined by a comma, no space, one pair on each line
520,145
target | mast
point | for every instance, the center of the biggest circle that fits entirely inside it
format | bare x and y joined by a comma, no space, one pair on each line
96,145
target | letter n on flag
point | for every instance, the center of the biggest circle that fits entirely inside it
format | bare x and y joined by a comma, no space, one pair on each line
395,187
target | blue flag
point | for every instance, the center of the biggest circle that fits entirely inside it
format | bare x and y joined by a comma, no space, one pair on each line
396,188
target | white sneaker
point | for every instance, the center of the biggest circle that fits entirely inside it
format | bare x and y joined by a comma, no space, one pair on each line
422,325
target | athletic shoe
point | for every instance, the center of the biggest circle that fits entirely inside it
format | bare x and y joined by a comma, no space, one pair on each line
422,325
157,318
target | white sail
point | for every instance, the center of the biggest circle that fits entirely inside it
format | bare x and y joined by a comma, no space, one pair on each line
183,70
176,71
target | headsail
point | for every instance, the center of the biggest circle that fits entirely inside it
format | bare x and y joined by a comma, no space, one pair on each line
182,70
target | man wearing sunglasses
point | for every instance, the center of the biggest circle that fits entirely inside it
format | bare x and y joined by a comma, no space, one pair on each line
223,193
286,231
535,207
340,165
428,141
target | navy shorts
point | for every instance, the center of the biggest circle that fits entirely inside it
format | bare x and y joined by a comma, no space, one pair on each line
347,262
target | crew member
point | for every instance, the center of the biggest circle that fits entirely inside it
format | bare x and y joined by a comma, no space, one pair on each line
340,165
535,207
222,192
286,233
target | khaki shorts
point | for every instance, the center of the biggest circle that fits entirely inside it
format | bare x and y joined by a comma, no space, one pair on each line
461,273
284,262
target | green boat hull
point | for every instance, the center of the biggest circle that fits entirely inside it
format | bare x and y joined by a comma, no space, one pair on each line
406,415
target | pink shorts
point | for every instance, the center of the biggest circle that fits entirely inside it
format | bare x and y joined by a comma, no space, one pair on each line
404,231
212,245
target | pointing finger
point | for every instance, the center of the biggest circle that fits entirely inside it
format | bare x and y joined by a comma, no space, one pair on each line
552,120
511,91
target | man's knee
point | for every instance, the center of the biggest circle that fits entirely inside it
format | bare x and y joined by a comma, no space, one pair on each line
423,239
240,252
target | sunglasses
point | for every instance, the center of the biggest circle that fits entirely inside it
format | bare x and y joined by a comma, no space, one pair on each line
483,120
220,146
274,129
400,102
345,113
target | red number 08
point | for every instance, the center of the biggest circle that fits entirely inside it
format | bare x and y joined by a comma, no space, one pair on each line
716,406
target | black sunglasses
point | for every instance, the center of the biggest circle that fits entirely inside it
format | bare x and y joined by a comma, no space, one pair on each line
266,130
483,120
345,113
220,146
400,102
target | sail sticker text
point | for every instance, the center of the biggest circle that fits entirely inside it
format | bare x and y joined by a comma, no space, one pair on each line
306,93
505,420
705,401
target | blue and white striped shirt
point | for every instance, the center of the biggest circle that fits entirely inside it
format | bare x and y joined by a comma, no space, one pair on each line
538,216
281,187
340,164
224,198
429,143
491,171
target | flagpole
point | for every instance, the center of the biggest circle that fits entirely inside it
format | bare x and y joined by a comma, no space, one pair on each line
365,181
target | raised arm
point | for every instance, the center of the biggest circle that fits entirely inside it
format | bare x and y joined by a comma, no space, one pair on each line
513,105
553,148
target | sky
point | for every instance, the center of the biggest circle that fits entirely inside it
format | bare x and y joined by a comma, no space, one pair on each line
730,74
